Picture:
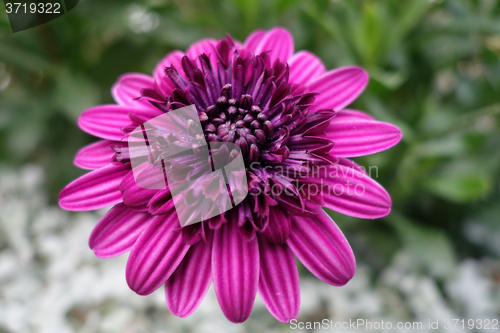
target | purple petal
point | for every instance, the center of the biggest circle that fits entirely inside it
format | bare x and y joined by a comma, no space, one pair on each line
354,138
339,87
117,231
94,190
350,114
202,46
305,67
253,40
185,289
279,280
278,228
235,266
279,42
351,164
174,58
160,202
320,245
156,254
128,88
106,121
96,155
133,195
351,192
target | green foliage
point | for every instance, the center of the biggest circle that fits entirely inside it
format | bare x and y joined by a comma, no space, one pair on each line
435,72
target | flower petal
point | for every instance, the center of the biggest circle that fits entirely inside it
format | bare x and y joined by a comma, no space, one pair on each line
235,266
174,58
351,164
96,155
350,114
354,138
278,228
279,42
352,192
106,121
320,245
187,286
305,67
339,87
135,196
253,40
94,190
117,231
156,254
202,46
128,88
279,280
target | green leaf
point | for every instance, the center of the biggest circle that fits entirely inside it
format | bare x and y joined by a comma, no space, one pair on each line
460,188
75,93
334,29
414,11
451,145
390,79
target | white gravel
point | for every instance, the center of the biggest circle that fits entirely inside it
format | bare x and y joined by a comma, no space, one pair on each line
50,282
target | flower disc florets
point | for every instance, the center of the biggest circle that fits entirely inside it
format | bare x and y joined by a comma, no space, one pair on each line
248,101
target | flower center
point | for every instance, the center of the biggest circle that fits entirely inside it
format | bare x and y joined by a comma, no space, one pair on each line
239,121
248,112
245,100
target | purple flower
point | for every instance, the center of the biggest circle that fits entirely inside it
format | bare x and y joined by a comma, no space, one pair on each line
287,115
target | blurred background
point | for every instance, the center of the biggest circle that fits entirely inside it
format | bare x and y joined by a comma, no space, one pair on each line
435,73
